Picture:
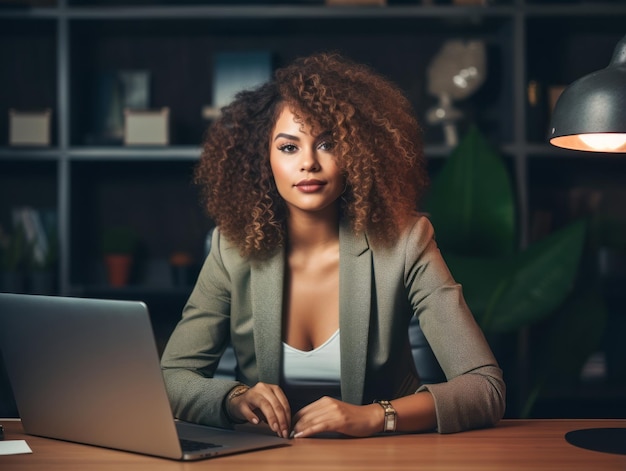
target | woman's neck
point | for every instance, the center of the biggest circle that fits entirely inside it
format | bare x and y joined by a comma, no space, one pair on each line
312,231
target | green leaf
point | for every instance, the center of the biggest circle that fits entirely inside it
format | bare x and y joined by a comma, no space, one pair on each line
472,202
507,293
542,279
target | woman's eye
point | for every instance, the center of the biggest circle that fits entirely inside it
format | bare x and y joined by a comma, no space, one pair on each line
326,145
287,148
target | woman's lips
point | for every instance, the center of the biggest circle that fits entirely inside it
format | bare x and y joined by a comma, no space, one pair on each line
310,186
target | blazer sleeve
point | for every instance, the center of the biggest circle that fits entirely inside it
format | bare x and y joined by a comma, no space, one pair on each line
196,345
474,394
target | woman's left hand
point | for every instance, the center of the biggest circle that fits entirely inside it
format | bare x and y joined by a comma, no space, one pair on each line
331,415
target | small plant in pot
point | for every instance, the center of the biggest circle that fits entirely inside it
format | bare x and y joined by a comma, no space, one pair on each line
118,247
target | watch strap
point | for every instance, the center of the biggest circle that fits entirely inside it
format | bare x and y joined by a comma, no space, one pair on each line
391,416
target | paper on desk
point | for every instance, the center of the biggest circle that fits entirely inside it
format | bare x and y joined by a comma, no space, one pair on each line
14,447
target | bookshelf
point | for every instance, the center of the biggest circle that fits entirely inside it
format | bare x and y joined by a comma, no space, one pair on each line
52,53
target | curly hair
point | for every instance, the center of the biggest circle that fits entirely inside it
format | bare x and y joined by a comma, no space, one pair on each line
377,140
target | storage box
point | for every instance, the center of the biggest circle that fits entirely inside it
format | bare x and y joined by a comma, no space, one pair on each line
29,128
147,127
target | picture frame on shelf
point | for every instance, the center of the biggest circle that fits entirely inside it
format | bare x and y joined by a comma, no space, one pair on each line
116,91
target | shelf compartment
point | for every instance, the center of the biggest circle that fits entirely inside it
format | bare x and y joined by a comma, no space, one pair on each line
28,57
156,199
179,57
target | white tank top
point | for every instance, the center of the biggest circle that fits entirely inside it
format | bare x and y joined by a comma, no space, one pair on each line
309,375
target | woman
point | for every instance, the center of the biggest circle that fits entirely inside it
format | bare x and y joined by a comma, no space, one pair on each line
317,266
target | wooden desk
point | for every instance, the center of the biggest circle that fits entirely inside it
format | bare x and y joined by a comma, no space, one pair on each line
513,444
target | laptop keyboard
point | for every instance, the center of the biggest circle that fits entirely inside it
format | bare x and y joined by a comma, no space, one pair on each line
191,445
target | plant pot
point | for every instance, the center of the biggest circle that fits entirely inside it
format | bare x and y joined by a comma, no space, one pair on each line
118,268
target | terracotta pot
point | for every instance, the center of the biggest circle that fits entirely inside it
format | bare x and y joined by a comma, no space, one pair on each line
118,268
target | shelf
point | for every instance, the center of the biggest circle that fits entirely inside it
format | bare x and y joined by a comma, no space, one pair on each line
62,49
52,57
176,11
134,153
260,12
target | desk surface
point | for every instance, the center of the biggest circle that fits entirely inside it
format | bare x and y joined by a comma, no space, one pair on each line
513,444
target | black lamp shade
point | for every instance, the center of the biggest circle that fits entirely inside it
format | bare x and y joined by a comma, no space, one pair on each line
594,104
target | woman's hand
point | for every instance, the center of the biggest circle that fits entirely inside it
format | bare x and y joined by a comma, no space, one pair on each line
263,402
331,415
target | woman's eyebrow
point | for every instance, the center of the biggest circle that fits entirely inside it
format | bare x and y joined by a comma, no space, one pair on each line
286,136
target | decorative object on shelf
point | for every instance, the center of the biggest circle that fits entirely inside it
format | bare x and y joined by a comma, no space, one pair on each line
29,128
118,247
234,72
115,92
457,71
147,127
590,114
506,288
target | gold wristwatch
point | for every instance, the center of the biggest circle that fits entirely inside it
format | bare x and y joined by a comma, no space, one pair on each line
391,417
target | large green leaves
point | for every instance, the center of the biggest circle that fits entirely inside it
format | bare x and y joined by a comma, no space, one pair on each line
472,207
473,210
472,202
508,293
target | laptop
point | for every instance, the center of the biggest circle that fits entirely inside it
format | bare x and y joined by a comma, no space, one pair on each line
88,371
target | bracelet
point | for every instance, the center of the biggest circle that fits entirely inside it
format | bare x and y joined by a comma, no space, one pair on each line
391,416
236,391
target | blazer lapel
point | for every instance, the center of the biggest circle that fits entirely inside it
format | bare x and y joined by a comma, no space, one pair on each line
355,281
267,282
355,292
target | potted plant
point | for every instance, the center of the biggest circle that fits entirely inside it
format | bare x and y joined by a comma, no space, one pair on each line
118,247
472,206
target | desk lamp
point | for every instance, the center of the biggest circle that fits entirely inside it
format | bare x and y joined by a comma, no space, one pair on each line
590,115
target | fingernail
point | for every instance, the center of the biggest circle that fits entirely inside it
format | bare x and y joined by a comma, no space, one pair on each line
255,421
285,433
297,435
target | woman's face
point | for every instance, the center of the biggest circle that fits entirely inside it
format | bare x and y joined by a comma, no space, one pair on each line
304,167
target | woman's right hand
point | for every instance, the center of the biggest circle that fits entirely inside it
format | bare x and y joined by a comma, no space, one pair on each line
263,402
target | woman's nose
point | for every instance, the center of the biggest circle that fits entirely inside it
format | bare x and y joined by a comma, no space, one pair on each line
309,161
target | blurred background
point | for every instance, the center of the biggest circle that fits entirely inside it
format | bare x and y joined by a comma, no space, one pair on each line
103,105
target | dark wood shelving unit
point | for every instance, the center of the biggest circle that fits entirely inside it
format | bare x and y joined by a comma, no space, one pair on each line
51,54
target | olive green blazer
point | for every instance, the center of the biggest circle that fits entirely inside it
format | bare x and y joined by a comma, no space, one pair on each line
240,302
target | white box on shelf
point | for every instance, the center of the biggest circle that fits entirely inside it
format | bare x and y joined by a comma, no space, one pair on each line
29,128
147,127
